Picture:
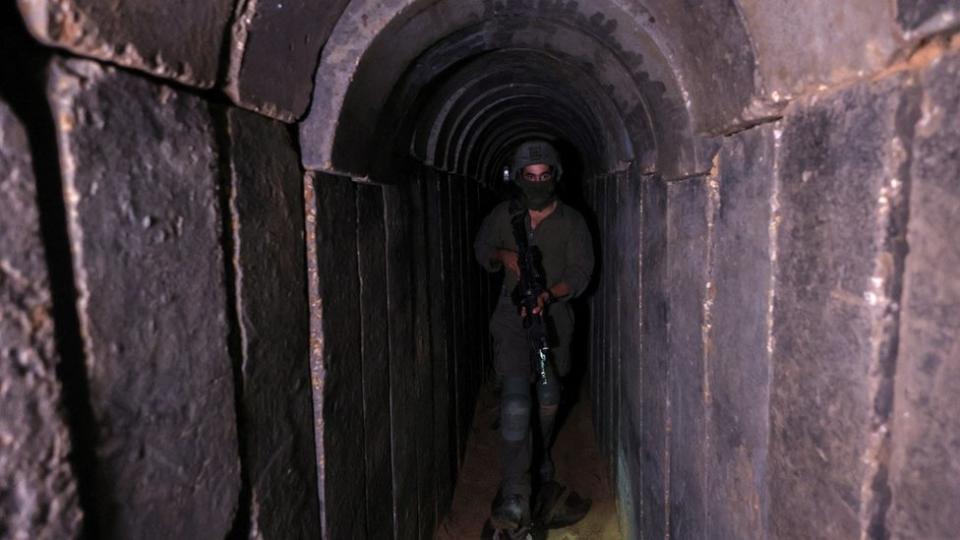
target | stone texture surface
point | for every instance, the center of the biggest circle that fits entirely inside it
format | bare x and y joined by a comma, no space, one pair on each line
461,259
266,205
689,226
140,175
180,41
839,247
737,359
405,447
375,349
38,490
274,54
423,361
656,361
336,356
316,333
598,319
444,418
925,462
629,464
923,17
640,56
839,41
377,379
450,268
610,388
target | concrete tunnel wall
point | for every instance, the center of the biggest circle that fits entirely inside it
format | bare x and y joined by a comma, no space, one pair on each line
772,347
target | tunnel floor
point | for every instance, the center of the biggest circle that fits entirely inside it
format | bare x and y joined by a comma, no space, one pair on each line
579,465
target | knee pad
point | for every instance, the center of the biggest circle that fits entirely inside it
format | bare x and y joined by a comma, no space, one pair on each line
514,417
549,394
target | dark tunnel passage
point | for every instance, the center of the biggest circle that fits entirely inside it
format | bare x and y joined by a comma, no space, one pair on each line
437,145
239,297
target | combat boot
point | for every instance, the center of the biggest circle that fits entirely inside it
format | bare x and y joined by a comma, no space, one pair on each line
510,512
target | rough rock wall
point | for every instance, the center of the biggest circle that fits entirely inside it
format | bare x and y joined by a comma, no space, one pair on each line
269,252
155,314
159,372
38,497
181,280
798,353
227,44
713,324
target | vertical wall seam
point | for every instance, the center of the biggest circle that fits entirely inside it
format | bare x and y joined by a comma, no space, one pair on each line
57,237
230,244
641,267
884,295
709,294
316,339
773,231
363,360
668,402
391,352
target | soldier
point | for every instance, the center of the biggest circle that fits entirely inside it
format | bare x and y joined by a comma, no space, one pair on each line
566,262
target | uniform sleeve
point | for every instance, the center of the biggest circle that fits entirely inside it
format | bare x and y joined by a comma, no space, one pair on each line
487,242
579,267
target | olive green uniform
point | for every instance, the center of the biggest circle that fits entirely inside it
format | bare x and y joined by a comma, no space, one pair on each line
567,255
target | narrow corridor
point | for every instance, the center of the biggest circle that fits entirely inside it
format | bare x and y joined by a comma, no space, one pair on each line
238,298
579,466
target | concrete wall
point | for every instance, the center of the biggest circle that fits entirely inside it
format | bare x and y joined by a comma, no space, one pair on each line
193,348
178,253
201,340
785,347
396,358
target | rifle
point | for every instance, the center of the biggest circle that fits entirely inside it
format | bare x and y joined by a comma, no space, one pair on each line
530,286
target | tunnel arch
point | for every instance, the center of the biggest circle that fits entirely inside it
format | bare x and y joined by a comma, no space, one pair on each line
495,90
633,56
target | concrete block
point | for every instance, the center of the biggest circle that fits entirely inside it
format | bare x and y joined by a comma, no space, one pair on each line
925,462
920,18
274,54
444,417
372,267
599,318
839,247
689,222
802,45
38,488
403,406
140,173
180,42
336,355
629,242
425,393
655,360
266,206
737,360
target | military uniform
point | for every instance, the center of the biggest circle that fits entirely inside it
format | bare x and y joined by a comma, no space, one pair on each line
567,255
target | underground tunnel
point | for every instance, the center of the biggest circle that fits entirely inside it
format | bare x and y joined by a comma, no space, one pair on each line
239,298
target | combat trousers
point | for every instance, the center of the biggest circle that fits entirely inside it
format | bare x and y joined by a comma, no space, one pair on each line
515,367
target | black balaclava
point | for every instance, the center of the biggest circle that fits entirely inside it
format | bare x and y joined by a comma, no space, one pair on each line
537,195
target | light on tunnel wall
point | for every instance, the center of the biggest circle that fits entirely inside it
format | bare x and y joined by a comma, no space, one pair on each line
506,173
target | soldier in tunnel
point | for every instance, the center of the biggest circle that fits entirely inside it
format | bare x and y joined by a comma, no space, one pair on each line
534,221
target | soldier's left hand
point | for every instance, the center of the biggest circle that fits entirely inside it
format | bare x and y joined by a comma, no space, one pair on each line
542,302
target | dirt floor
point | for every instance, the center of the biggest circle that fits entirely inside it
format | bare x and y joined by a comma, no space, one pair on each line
579,465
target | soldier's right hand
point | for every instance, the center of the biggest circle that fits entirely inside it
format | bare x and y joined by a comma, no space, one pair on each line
509,260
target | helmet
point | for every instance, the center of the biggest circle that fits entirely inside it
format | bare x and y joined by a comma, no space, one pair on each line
534,152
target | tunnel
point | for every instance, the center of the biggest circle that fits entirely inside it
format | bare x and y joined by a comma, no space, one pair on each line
239,295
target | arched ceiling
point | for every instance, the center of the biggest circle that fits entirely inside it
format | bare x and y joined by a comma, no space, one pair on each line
462,80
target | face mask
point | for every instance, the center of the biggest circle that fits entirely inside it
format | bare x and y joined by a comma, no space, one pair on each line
538,195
